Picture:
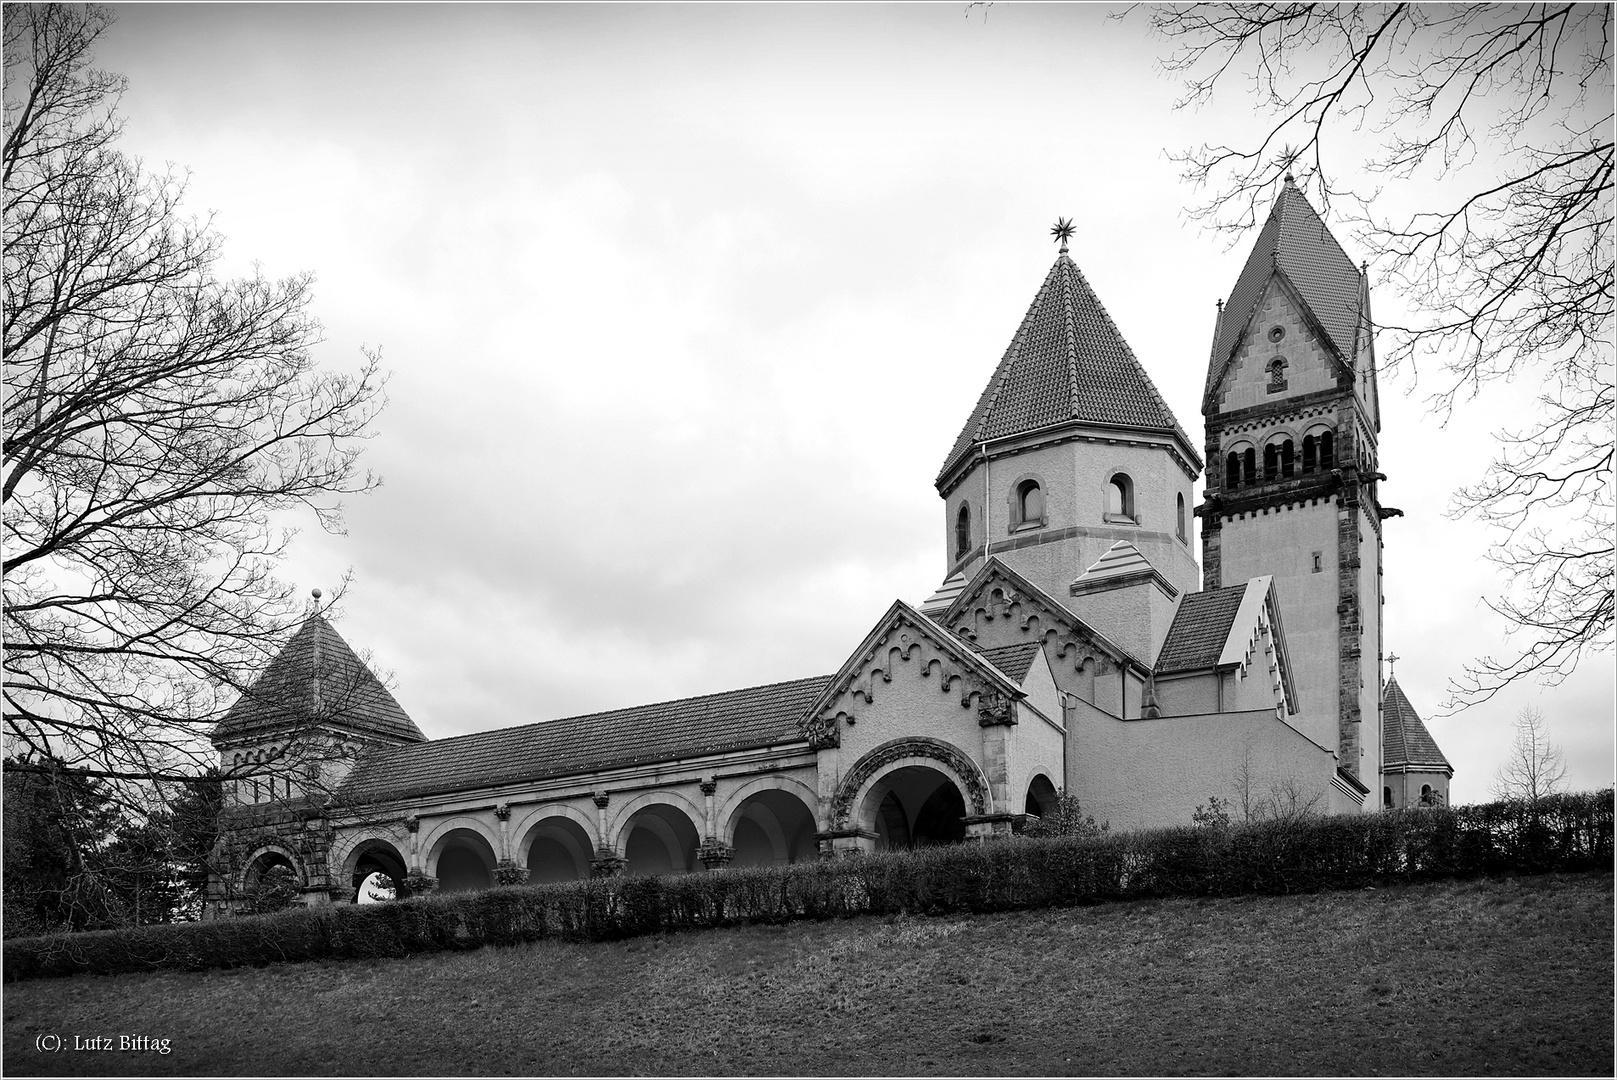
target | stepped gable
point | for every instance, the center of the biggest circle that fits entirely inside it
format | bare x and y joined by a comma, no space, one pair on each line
316,679
666,731
1405,742
1200,629
1067,362
1295,241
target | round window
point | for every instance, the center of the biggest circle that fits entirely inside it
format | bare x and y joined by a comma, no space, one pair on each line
1276,333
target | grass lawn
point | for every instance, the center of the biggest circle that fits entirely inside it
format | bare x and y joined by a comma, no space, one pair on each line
1484,977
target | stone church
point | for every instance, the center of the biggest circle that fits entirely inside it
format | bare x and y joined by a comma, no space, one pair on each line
1073,644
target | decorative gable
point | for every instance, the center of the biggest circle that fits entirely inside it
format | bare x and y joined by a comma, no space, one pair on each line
1282,353
905,641
1000,606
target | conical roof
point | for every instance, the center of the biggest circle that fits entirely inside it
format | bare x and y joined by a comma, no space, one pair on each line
1295,241
1067,362
1405,742
317,680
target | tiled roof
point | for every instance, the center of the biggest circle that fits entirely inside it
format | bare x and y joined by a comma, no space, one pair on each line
1404,739
666,731
317,679
1297,241
940,600
1200,628
1067,362
1014,660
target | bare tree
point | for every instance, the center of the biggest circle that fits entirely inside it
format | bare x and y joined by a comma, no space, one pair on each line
1509,108
1536,767
159,423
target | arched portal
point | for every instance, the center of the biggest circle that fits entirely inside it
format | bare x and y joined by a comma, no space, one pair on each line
771,828
1042,798
372,857
270,881
660,839
558,850
462,860
914,806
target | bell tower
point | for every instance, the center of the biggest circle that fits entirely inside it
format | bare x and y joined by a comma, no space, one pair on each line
1292,425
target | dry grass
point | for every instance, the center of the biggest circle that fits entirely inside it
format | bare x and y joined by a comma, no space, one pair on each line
1502,977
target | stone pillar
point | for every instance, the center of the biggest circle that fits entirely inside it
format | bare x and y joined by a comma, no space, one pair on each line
710,830
995,715
413,824
603,844
843,843
714,854
502,813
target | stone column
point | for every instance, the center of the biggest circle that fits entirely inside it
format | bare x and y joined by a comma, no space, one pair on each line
606,862
709,786
413,823
502,813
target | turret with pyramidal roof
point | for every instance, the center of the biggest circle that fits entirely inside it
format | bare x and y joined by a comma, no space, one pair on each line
1292,479
1069,450
1414,771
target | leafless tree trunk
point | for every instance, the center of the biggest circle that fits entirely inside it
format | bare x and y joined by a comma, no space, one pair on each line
1536,767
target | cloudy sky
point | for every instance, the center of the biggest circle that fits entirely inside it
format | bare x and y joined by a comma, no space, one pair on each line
684,306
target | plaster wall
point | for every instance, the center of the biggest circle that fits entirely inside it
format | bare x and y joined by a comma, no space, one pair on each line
1140,774
1309,367
1404,788
1370,688
1037,744
1284,542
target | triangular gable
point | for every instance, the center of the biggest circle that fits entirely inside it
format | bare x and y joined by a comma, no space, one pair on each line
317,681
978,599
1067,362
865,666
1220,368
1329,288
1121,564
1259,610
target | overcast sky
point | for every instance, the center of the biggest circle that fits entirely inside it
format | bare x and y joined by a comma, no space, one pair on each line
684,306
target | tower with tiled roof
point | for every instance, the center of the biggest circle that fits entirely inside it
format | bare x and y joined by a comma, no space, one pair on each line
1414,771
1069,450
1292,424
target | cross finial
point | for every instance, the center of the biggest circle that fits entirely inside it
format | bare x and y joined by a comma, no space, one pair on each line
1062,230
1392,658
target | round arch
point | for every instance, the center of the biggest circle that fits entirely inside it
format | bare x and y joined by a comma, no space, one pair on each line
771,826
615,824
733,801
523,821
1043,798
432,839
461,855
556,847
658,835
935,754
266,855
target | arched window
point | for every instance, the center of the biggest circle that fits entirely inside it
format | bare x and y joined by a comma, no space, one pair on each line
1249,466
1386,797
1271,462
1288,461
1310,454
962,531
1029,503
1277,375
1232,471
1327,450
1120,498
1180,515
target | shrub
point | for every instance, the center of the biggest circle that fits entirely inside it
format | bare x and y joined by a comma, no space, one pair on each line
1299,854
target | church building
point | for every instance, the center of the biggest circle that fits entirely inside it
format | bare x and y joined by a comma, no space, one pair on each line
1073,646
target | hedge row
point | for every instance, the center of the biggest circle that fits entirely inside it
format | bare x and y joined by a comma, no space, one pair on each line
1570,832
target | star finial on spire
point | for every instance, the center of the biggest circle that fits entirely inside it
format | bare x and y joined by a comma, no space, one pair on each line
1062,231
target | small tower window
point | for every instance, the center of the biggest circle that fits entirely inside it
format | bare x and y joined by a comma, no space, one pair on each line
1232,471
1249,466
1271,462
1327,450
1180,516
1386,797
1120,498
1288,459
1276,333
1277,374
1029,503
1310,454
962,531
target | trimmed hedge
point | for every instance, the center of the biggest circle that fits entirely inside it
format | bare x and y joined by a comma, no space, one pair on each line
1563,833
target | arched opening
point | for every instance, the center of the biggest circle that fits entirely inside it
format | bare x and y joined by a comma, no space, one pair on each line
270,883
915,806
1288,459
1249,466
1310,454
1386,797
962,531
1232,470
465,861
660,839
1327,450
1042,798
1120,498
1277,375
558,850
1029,503
1271,462
372,859
773,828
1179,514
378,887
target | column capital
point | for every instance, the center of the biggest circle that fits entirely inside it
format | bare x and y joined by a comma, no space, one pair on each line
503,811
413,823
709,785
714,854
600,799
